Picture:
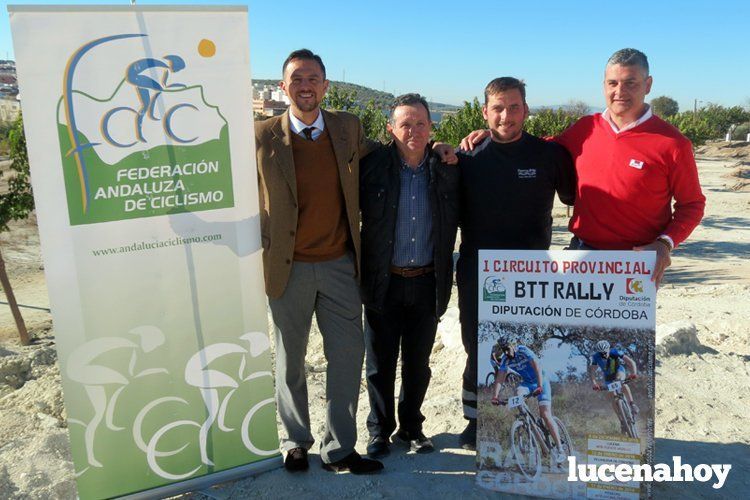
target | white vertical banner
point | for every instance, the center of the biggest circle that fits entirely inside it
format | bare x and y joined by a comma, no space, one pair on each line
565,370
138,125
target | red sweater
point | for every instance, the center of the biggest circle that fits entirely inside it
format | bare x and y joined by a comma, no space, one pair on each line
626,183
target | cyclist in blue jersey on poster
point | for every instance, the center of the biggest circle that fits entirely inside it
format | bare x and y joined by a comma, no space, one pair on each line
615,365
507,357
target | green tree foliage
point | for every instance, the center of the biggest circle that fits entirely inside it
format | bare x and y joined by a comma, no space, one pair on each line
456,126
693,126
710,122
664,106
18,201
548,122
16,204
4,129
374,120
339,99
720,118
740,133
373,117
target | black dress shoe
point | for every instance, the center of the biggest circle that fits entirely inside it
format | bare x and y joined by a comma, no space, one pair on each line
355,464
296,460
377,447
468,438
417,441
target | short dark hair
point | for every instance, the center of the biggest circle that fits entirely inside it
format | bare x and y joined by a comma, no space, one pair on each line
629,57
504,84
412,99
303,54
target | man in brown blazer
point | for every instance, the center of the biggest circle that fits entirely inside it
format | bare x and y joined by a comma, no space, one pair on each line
308,181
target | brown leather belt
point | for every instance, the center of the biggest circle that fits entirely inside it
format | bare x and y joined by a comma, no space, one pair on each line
411,272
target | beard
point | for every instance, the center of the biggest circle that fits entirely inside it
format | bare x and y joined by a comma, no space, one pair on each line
307,105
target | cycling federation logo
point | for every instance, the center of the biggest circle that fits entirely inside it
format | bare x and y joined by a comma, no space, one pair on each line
633,286
493,290
146,144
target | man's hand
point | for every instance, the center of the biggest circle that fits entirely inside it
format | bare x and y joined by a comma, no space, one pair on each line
632,376
495,401
537,391
597,387
663,259
446,152
474,138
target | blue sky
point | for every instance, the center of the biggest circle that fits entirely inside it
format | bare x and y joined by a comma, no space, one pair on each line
449,50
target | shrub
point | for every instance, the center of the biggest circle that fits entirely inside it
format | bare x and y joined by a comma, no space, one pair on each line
693,126
456,126
664,106
740,133
548,122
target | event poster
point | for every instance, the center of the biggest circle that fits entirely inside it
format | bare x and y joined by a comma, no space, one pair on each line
138,125
584,323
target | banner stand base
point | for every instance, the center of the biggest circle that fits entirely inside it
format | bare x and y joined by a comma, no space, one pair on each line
203,482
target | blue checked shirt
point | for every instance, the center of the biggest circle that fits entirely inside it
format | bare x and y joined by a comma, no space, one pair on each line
412,245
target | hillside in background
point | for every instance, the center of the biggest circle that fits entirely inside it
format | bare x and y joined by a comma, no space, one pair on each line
366,94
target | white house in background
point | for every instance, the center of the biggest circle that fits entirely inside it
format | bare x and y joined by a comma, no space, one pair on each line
10,108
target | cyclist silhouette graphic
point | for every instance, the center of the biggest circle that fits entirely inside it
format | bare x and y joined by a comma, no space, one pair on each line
140,74
212,381
98,379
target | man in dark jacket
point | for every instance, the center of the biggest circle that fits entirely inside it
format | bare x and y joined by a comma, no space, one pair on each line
508,186
409,218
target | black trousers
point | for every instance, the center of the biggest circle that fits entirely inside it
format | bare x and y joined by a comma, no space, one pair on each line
466,279
408,321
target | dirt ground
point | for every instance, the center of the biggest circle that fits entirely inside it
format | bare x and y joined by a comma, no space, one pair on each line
702,399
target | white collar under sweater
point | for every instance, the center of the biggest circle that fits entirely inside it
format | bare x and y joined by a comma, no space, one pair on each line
297,125
607,116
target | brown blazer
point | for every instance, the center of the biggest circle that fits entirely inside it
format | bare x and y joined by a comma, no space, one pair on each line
277,188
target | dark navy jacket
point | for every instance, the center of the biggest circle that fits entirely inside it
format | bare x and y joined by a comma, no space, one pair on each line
379,184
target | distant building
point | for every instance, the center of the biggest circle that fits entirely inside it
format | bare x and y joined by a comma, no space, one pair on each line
10,108
269,93
269,100
10,105
280,96
269,107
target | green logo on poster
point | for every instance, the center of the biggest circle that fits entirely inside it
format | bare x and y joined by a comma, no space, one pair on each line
153,146
493,290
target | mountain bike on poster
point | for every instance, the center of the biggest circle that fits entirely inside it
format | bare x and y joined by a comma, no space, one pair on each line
623,410
509,358
531,440
618,370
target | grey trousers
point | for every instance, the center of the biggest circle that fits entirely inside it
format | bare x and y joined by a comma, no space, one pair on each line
329,289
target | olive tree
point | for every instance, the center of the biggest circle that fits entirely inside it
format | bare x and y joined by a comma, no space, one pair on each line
664,106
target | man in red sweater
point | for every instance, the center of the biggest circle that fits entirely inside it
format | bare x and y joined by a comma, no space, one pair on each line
630,165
